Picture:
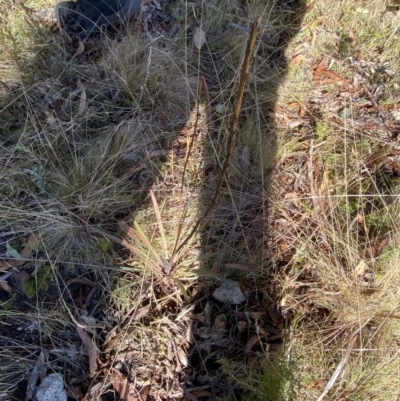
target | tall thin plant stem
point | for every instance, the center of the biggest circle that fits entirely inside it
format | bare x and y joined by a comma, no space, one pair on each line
231,138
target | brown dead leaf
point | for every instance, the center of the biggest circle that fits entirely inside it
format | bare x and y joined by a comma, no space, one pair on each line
91,349
323,188
303,111
334,77
297,60
256,315
284,251
378,156
220,322
384,107
141,312
189,333
144,392
352,37
319,70
4,285
250,344
30,246
20,280
26,253
275,316
294,123
122,386
380,246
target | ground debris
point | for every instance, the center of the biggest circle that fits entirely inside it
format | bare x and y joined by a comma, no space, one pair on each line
52,389
229,292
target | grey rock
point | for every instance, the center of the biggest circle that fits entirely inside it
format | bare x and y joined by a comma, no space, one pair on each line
52,389
229,292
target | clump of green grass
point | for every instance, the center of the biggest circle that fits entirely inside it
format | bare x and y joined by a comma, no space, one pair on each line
40,282
269,376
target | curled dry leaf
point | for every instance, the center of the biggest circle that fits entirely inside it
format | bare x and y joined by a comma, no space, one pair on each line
294,123
220,322
81,48
50,118
91,349
323,188
352,37
39,370
82,102
122,386
25,254
275,316
323,64
182,357
360,268
3,283
250,344
334,77
199,38
141,312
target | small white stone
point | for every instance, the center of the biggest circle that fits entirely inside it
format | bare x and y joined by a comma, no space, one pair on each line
52,389
229,292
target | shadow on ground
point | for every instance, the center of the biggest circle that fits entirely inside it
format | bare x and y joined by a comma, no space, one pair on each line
78,156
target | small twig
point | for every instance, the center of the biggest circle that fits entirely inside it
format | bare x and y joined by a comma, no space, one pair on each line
374,102
314,196
339,369
231,138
